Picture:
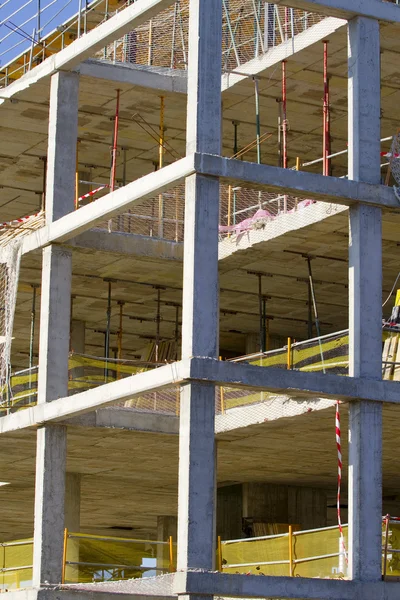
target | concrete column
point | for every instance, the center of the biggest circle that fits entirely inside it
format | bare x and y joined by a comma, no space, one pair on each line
61,153
365,299
55,333
166,528
196,518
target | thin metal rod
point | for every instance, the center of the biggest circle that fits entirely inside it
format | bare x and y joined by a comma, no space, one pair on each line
258,126
33,321
158,320
316,318
264,322
387,519
160,166
260,311
108,331
176,331
235,137
284,116
38,19
79,17
115,144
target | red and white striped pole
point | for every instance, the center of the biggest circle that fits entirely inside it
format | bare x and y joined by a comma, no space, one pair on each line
339,453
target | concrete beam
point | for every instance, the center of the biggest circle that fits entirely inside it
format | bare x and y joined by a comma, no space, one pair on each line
205,370
85,402
128,419
110,206
87,45
128,243
293,383
374,9
297,183
317,33
155,78
254,586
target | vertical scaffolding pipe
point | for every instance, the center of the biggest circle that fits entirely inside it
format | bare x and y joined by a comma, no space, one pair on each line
38,26
309,305
260,311
316,317
79,17
158,320
326,124
77,177
119,353
264,320
176,330
160,166
279,102
108,332
258,126
235,137
284,116
33,322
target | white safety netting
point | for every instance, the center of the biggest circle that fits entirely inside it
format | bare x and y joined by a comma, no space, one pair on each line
10,258
395,163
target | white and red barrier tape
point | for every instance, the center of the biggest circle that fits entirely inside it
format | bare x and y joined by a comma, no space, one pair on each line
16,222
339,453
92,193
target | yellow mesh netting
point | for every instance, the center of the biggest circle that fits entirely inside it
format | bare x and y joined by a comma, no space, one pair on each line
16,564
95,558
250,556
308,548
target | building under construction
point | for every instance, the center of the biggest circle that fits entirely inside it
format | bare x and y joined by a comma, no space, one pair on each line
199,317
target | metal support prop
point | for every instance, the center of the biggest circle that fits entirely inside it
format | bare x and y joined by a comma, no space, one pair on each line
326,119
219,565
284,116
158,320
289,353
385,551
235,137
264,319
115,144
279,101
260,312
316,318
176,330
229,207
77,177
64,564
290,549
108,332
33,321
160,166
171,554
119,355
258,126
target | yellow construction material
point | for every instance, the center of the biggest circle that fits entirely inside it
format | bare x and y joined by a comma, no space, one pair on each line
16,559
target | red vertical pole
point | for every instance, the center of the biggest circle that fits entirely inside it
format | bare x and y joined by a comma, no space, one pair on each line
284,117
115,145
326,124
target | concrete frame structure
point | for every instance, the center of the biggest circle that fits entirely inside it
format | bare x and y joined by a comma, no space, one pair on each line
199,370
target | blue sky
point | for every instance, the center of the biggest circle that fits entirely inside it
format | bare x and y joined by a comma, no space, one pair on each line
18,20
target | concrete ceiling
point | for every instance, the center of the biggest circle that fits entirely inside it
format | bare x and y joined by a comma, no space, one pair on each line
24,120
285,285
128,478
